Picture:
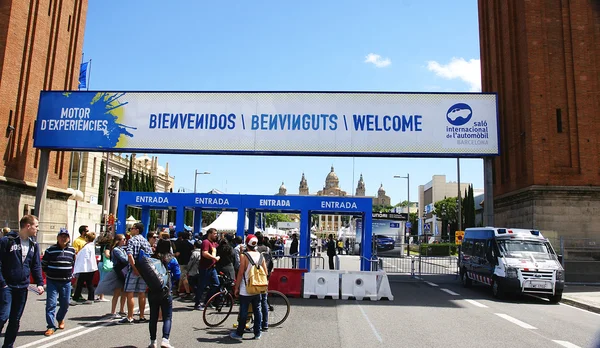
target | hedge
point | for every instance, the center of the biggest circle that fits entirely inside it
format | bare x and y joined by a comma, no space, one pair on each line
442,249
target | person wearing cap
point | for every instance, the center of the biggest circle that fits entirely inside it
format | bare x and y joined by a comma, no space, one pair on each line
240,290
57,263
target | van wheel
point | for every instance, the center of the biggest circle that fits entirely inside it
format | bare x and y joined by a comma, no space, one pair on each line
465,280
497,290
556,297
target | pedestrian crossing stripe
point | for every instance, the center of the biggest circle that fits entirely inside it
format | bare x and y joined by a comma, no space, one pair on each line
480,278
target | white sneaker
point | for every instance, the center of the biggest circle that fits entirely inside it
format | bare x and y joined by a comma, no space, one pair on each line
152,344
165,344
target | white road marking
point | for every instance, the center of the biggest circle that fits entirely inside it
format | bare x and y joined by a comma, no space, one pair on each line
432,284
370,324
449,292
580,309
566,344
56,334
516,321
91,326
64,339
475,303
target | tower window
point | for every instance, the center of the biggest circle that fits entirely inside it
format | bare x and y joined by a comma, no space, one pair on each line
559,127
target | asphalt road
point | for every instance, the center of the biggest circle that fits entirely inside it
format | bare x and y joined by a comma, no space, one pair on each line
436,312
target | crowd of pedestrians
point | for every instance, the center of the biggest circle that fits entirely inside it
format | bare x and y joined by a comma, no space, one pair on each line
192,267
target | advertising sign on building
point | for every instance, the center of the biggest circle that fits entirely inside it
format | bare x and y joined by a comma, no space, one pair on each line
280,123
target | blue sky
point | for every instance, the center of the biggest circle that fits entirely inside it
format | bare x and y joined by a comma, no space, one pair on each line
399,45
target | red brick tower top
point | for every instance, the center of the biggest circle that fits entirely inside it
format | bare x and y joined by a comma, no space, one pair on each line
41,45
543,59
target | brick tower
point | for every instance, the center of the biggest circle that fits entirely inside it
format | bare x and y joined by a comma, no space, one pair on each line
542,58
41,43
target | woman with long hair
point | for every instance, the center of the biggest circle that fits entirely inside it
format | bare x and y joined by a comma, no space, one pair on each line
162,300
225,263
119,259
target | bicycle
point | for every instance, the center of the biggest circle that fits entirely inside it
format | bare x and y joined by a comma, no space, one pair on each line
219,307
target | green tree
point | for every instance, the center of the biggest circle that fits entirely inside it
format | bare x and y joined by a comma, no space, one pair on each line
188,220
413,218
208,217
271,219
470,220
124,182
136,183
101,182
382,208
402,204
447,211
130,178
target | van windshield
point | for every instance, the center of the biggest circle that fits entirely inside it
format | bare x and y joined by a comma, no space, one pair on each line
525,249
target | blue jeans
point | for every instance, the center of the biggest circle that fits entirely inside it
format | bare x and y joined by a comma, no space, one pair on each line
166,305
245,302
61,290
264,306
210,277
11,306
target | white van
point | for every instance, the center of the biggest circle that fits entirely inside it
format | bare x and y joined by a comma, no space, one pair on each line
511,260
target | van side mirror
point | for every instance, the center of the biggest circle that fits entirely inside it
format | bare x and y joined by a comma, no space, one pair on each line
560,259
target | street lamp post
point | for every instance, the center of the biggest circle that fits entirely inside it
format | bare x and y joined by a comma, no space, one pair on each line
196,173
112,192
407,177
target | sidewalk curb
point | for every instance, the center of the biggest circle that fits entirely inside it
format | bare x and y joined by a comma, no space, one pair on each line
580,305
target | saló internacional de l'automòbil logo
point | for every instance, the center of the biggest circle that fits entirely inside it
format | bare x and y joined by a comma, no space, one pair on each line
462,129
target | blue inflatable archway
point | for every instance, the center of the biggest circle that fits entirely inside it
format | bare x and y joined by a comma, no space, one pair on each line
251,204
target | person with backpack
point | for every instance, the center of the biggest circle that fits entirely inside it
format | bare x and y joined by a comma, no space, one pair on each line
19,259
163,299
266,253
193,266
250,283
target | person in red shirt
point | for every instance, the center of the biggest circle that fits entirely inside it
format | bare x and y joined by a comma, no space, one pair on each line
207,274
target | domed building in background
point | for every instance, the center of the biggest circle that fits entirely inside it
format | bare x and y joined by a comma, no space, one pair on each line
332,223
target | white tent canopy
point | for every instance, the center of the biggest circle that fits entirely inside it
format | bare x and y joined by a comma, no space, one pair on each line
227,222
272,232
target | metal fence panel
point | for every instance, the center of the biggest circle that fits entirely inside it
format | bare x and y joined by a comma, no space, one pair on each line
438,265
287,261
581,260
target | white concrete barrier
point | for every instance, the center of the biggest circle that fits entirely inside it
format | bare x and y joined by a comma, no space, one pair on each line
322,283
359,285
383,287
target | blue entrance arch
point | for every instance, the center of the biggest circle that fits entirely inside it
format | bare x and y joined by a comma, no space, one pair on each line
251,204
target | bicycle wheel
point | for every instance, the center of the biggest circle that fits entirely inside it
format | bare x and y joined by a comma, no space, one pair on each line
217,309
279,307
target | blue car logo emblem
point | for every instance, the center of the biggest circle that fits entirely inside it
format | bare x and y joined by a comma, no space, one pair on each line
459,114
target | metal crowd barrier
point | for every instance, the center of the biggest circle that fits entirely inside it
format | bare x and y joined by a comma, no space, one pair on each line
292,261
375,264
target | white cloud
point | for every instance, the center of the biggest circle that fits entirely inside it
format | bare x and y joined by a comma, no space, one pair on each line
377,60
468,71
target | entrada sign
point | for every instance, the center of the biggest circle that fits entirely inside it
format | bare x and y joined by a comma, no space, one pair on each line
276,123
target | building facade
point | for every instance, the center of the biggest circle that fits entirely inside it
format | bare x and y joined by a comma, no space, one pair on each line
40,49
332,223
541,57
437,190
